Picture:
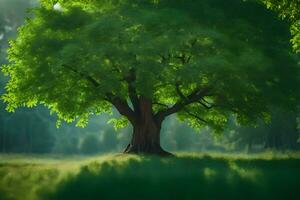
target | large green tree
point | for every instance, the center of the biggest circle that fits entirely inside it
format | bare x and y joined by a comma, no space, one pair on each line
204,60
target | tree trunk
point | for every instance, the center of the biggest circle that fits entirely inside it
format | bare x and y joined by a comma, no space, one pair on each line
146,133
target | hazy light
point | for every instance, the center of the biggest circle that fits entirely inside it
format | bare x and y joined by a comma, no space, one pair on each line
8,28
57,6
1,36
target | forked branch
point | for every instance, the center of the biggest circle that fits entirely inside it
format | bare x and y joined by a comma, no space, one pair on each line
182,103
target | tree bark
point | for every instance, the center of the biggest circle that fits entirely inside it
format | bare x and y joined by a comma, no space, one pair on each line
146,124
146,132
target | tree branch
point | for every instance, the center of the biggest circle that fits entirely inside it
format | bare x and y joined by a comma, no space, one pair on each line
160,104
177,86
195,116
121,105
192,98
205,105
123,108
165,59
184,59
83,75
194,42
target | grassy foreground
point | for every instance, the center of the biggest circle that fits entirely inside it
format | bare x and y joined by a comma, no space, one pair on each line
187,176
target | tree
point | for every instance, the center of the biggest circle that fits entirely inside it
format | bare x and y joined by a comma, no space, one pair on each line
203,60
283,131
279,134
90,144
25,131
290,10
12,14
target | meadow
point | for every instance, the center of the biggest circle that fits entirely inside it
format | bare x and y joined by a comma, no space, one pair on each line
186,176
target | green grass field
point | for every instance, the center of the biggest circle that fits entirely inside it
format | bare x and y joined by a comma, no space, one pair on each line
187,176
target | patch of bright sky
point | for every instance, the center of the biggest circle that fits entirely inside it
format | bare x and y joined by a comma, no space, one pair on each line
57,6
8,28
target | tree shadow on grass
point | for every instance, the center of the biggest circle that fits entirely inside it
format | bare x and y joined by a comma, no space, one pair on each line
182,178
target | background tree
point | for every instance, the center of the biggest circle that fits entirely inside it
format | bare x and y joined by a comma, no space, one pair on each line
283,131
26,131
151,59
280,134
20,133
12,14
290,10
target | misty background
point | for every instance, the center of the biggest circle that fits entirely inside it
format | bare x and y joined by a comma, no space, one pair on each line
34,130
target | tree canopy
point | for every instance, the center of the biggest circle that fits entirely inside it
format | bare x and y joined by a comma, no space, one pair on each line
288,9
204,60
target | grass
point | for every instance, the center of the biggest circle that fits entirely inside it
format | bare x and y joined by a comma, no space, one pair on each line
187,176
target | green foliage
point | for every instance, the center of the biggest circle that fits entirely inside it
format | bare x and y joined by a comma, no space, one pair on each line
70,59
290,10
118,123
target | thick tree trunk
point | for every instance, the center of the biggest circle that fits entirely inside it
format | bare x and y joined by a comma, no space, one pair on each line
146,124
146,139
146,133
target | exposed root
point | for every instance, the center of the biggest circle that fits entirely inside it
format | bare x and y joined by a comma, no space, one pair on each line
157,151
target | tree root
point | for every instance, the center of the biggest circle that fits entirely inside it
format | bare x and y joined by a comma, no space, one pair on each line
156,151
